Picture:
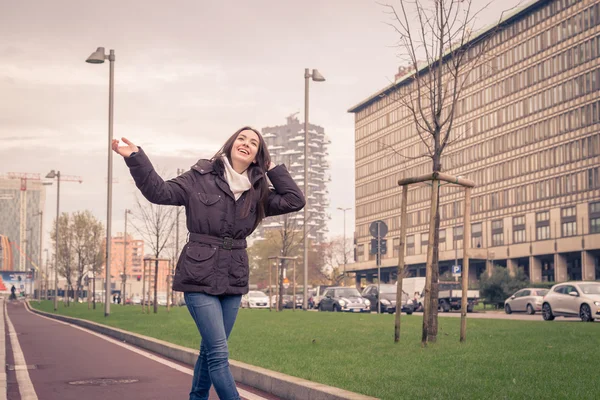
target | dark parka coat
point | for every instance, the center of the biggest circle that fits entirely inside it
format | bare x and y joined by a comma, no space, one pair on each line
209,263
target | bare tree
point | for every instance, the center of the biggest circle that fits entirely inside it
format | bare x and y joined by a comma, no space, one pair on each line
286,241
87,240
436,39
97,258
66,256
155,223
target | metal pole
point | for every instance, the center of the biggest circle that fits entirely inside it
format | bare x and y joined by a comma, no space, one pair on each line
305,227
46,277
345,261
143,283
40,283
454,236
56,244
270,285
124,258
111,59
294,291
379,270
277,284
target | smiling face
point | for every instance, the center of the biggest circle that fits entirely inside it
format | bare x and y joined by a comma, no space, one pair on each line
244,150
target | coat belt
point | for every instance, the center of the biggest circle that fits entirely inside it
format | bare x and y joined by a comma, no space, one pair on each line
226,243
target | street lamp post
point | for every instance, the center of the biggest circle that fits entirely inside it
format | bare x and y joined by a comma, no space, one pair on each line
52,175
317,77
46,277
345,255
98,57
41,214
125,257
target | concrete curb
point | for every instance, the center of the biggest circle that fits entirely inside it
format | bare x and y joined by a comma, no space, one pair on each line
281,385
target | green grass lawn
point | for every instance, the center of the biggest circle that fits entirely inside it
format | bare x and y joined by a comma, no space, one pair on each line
500,360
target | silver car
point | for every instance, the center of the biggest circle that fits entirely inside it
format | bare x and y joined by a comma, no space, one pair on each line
573,299
527,300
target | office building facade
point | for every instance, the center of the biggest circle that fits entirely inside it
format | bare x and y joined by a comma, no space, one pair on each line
529,138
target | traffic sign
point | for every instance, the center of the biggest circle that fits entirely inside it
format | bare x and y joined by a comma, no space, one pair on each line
383,246
378,227
286,283
456,270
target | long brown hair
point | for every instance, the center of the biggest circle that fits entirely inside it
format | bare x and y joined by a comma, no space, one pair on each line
260,194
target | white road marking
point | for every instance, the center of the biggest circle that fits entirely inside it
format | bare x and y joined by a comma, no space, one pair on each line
26,389
3,384
189,371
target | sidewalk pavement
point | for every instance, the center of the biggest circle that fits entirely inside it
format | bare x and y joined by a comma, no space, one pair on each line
271,382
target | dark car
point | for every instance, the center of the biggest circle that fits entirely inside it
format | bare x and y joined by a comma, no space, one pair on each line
388,298
342,298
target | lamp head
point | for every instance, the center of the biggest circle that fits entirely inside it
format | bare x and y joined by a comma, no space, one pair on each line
316,76
51,174
97,57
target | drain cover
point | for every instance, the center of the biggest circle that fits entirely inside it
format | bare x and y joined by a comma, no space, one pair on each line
12,367
103,382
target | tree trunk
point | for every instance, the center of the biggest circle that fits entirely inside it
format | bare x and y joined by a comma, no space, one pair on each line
155,285
435,286
280,277
94,290
428,268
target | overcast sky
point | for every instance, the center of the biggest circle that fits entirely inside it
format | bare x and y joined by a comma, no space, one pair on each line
188,73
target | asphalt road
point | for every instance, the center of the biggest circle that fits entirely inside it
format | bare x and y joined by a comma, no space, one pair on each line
50,360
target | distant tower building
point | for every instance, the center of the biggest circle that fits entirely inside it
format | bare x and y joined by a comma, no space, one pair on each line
21,200
286,146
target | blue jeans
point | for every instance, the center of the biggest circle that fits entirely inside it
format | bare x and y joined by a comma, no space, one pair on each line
214,317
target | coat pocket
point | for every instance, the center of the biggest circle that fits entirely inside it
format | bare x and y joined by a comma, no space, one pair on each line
209,199
238,269
198,265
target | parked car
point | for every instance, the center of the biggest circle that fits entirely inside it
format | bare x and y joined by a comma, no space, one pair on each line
299,301
287,301
388,298
527,300
316,295
255,299
572,299
342,298
136,300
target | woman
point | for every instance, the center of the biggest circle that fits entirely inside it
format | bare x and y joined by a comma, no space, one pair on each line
225,199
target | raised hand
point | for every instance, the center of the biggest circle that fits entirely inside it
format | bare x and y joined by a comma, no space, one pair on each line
124,151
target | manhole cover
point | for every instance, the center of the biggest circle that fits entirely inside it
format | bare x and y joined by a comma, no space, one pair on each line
103,382
12,367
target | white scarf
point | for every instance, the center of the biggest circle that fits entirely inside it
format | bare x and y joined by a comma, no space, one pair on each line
238,183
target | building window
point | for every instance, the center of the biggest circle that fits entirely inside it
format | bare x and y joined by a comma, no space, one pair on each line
442,241
410,245
476,235
568,221
497,233
360,251
424,242
595,217
519,229
497,239
396,242
542,225
458,237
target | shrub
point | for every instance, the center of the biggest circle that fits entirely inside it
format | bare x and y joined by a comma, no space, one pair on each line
500,285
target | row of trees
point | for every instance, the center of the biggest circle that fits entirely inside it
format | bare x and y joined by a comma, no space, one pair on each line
81,249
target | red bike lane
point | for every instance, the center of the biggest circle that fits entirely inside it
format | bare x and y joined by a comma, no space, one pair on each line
67,363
